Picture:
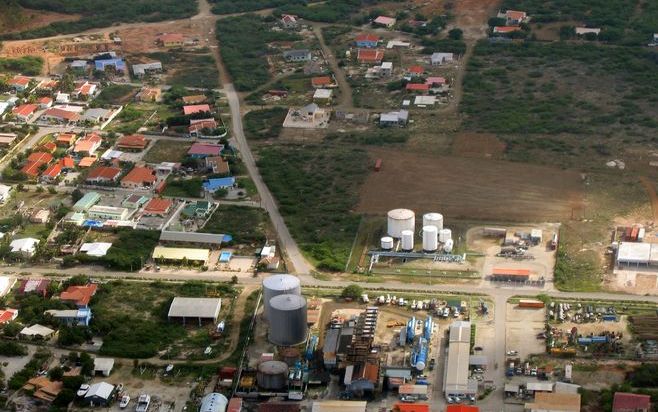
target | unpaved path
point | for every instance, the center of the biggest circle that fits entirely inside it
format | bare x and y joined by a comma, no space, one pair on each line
345,101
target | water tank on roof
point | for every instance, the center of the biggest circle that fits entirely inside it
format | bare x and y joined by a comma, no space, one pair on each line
387,243
278,285
213,402
287,319
399,220
272,375
430,238
407,240
444,235
433,219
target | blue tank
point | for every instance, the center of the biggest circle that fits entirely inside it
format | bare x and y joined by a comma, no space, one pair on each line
313,344
427,330
599,339
419,355
584,341
411,328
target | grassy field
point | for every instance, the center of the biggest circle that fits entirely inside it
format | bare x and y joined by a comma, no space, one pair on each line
114,94
247,225
27,65
264,124
183,187
167,151
563,103
316,187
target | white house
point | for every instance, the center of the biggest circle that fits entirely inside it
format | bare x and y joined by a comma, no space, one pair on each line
440,58
26,246
5,193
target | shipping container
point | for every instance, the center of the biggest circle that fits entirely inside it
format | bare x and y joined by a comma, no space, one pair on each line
609,318
378,165
531,303
634,232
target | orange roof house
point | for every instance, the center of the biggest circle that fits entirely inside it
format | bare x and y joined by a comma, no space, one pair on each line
321,81
158,206
416,70
24,111
88,144
370,56
45,102
139,177
34,163
196,108
52,172
411,407
462,408
87,161
103,174
67,163
19,83
65,139
62,116
48,147
80,295
171,39
44,388
418,87
8,315
132,142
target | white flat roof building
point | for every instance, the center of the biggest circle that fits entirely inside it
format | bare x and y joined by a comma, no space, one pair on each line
322,94
635,253
456,381
425,100
26,246
195,308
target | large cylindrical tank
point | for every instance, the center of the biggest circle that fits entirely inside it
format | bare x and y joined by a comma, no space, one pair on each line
213,402
448,245
399,220
289,355
420,360
407,240
387,243
272,375
430,238
433,219
287,320
278,285
444,235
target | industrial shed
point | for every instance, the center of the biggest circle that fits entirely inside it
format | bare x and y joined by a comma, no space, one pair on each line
178,254
634,253
205,239
455,380
338,406
201,309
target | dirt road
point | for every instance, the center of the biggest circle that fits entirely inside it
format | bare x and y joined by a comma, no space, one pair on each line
651,191
345,101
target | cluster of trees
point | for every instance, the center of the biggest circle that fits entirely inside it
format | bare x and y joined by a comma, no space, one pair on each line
232,6
27,65
129,251
244,42
316,187
103,13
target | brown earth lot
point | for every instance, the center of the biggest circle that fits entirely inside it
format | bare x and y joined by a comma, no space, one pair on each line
478,145
468,188
33,19
472,16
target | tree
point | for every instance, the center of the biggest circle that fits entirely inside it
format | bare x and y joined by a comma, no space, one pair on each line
76,195
234,279
56,373
87,364
12,329
64,398
352,292
220,193
52,190
497,21
456,34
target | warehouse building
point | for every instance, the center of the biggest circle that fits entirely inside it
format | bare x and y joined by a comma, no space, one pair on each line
339,406
199,309
510,275
179,254
86,202
205,239
455,380
637,254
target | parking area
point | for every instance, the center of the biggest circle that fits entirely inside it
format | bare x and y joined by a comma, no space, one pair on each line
523,325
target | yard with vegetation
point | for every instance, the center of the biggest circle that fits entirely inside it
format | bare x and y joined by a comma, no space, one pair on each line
26,65
265,123
130,250
247,225
316,187
167,151
244,41
103,13
114,94
183,187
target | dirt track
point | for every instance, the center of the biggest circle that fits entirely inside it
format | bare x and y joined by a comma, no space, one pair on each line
470,188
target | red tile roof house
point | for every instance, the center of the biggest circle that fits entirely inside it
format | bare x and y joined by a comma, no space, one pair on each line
103,174
384,21
88,144
19,83
435,81
417,87
52,172
505,29
67,163
35,162
630,402
203,150
370,56
65,139
83,90
24,112
8,315
415,70
366,40
196,108
38,286
80,295
158,207
133,142
60,116
45,102
322,82
197,125
139,177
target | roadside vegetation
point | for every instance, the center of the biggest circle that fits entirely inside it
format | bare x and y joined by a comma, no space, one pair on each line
244,41
26,65
129,252
183,187
316,187
103,13
232,6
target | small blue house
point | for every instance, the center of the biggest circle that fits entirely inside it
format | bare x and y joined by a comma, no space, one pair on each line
72,317
219,183
118,64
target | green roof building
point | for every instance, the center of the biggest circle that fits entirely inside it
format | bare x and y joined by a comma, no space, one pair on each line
86,202
199,208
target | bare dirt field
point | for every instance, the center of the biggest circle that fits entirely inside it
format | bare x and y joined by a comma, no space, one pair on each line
472,15
468,188
29,19
143,38
487,145
522,327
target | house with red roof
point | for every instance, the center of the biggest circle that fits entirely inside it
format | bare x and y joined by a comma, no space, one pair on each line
370,56
88,144
38,286
8,315
415,70
384,21
322,82
52,172
35,162
66,163
103,174
158,207
80,295
60,116
24,112
435,81
631,402
19,83
48,85
65,139
132,143
171,39
367,40
289,21
505,29
197,125
45,102
203,150
139,177
195,108
48,147
417,87
462,408
515,17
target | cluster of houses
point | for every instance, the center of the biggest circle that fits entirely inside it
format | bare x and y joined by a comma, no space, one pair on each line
110,63
202,122
513,20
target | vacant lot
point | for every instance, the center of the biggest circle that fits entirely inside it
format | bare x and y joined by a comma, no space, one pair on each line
247,225
463,188
167,151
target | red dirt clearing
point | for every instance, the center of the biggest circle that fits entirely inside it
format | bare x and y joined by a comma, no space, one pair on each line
472,16
478,145
469,188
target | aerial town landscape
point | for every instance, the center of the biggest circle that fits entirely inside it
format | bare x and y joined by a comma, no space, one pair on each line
329,206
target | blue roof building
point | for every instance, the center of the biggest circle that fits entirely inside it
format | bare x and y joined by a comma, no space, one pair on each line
72,317
219,183
118,64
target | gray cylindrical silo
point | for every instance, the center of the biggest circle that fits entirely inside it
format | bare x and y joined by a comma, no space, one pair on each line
287,319
278,285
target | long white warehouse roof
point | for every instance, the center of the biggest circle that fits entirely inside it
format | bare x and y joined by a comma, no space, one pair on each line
635,252
204,308
456,373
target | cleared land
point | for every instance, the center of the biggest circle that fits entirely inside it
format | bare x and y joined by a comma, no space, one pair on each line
463,188
167,151
18,19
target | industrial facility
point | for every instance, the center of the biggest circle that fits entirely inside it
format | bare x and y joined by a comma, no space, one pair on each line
456,381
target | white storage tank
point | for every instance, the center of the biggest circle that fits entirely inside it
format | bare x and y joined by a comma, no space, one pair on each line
213,402
399,220
444,235
407,240
287,319
430,238
448,245
387,243
433,219
278,285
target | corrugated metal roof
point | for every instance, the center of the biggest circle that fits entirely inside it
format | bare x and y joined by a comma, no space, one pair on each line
195,307
338,406
191,237
180,253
